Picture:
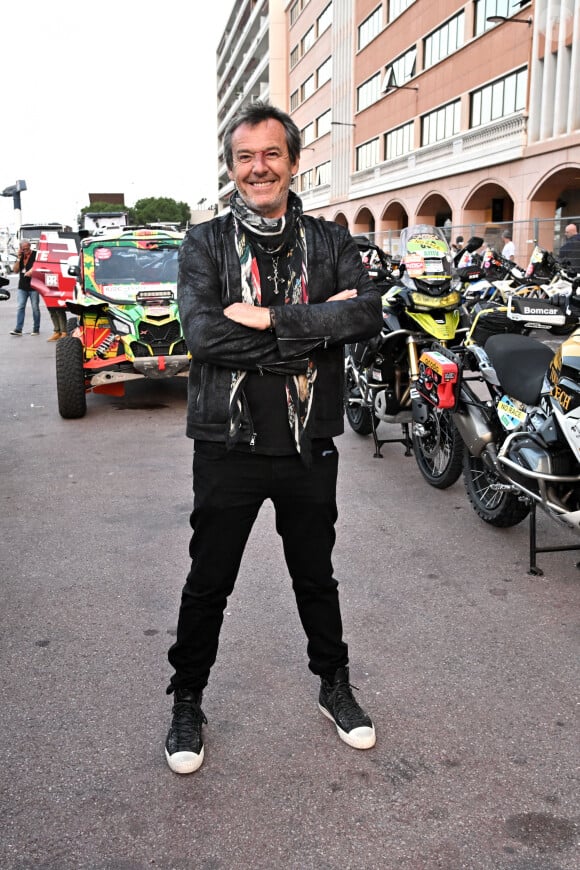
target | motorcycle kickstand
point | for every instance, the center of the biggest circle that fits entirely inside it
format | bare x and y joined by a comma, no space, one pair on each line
534,549
534,569
377,454
407,440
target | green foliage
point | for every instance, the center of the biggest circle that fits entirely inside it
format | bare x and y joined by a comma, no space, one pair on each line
162,208
102,207
149,210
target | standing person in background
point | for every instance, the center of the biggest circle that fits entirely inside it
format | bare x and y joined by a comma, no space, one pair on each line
570,250
509,249
457,245
58,317
23,265
268,297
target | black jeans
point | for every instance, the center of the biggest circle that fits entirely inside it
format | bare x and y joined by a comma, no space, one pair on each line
229,489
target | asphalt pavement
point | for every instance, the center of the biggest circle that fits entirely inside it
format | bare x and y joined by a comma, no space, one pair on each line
467,663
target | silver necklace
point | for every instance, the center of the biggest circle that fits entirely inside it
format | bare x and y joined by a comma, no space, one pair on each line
275,277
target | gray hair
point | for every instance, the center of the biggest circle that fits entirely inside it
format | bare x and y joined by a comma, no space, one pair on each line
254,114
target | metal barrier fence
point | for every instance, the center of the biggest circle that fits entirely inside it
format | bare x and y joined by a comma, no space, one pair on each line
548,233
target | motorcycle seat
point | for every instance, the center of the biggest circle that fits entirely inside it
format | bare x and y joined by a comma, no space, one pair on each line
520,363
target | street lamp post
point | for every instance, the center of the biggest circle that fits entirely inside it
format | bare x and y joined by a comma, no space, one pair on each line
14,190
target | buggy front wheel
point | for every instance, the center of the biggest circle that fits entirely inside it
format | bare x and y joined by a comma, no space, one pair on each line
70,378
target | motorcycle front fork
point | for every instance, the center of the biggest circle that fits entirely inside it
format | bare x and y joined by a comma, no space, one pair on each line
405,438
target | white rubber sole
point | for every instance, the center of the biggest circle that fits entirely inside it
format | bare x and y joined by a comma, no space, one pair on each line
358,738
184,762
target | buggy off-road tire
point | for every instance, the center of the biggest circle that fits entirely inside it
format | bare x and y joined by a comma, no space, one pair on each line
499,508
71,325
359,417
439,452
70,378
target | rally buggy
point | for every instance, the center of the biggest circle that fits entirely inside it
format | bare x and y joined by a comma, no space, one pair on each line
125,322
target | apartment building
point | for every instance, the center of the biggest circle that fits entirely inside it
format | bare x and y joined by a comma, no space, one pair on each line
465,115
252,63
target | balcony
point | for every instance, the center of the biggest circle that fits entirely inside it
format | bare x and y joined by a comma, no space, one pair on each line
498,142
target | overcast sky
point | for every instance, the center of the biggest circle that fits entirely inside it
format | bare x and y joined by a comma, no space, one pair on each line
114,96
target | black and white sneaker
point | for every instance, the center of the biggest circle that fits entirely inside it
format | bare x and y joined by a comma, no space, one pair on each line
184,744
337,702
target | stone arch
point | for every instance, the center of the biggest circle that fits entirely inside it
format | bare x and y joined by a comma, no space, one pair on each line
363,222
340,218
487,210
434,209
555,195
394,218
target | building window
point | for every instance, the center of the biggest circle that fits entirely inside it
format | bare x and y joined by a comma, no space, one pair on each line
323,123
441,124
294,100
297,9
307,88
367,155
306,180
443,41
324,20
396,7
322,174
401,70
324,72
370,27
485,8
399,141
307,40
294,56
369,92
498,99
308,134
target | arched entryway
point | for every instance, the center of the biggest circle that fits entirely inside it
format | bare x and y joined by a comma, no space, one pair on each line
364,223
487,211
554,203
393,219
435,211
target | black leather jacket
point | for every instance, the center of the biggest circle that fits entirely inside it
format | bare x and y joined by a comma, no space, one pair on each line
209,280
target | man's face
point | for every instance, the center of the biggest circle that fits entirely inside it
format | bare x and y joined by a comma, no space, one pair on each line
262,170
570,231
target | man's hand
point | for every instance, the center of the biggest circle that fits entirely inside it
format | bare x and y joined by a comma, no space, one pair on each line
249,315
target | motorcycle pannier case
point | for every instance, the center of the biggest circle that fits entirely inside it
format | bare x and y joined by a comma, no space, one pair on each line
489,318
438,376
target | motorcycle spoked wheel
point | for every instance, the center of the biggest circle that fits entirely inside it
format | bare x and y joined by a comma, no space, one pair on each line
499,508
360,418
439,452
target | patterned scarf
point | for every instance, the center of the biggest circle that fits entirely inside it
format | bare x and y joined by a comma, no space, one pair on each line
283,237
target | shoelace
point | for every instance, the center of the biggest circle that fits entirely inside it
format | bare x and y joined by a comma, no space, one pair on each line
346,704
188,717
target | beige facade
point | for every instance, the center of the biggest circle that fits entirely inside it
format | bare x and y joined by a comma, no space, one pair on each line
413,111
481,173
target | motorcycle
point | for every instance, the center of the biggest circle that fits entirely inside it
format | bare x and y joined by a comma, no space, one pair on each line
4,294
421,305
522,436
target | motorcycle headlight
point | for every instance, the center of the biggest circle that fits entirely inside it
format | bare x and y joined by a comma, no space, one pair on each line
451,300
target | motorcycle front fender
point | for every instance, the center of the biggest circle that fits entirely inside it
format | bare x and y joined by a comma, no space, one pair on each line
442,326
